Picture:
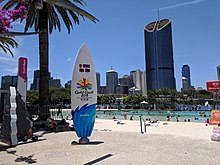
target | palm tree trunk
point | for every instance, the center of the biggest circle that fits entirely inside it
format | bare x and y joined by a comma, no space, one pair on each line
44,76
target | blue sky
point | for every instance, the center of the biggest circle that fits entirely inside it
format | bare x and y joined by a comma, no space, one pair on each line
118,39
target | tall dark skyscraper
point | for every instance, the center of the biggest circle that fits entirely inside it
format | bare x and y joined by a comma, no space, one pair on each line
111,81
186,80
159,55
35,84
98,82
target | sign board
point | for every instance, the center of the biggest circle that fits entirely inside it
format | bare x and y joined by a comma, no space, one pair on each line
213,86
22,78
13,114
215,117
83,93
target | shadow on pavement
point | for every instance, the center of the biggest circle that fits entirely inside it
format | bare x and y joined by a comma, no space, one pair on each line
28,159
90,143
98,159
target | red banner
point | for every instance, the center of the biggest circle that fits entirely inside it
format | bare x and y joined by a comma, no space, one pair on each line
22,68
213,86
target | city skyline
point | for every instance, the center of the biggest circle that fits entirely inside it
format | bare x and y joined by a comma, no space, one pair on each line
118,40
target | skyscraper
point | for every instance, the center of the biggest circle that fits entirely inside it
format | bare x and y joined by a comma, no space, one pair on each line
8,81
111,81
98,82
186,80
139,81
35,84
126,80
218,72
159,55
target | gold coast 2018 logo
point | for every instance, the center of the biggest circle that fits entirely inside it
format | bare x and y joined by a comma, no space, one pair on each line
84,87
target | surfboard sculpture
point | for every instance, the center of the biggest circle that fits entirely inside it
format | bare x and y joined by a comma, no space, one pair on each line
83,94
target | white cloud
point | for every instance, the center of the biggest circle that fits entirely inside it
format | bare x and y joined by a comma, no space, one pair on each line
11,71
8,59
68,59
181,4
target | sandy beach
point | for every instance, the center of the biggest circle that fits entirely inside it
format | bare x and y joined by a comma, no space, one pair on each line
111,143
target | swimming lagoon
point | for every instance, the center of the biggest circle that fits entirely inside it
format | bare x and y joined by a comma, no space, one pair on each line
188,116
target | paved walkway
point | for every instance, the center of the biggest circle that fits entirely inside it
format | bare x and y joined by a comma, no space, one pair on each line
118,148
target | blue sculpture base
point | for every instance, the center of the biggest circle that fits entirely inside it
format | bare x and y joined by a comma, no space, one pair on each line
83,140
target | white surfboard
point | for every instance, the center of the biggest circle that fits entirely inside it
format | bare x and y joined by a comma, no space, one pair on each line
83,93
83,85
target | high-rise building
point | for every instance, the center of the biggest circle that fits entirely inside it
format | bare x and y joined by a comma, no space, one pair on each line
139,82
186,80
143,83
159,55
68,85
35,84
111,81
218,72
102,89
55,83
98,82
122,89
126,80
8,81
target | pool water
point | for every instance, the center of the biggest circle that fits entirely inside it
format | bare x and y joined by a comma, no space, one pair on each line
192,116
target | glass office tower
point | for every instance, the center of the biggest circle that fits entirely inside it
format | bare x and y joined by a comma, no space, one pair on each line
159,55
186,80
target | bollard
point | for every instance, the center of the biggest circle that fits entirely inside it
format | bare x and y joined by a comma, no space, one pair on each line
145,129
141,123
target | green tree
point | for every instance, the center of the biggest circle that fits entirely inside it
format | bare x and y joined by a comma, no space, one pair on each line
60,95
33,96
107,99
133,99
45,16
151,97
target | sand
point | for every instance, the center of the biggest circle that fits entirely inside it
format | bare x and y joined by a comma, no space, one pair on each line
112,143
187,129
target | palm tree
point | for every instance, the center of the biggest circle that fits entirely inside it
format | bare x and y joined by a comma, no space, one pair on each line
44,16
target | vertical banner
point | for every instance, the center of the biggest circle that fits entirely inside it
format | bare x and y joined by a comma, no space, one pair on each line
83,94
22,78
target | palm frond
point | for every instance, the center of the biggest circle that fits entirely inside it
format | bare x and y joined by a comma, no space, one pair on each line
74,17
10,4
66,4
31,16
6,42
81,2
65,17
54,21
